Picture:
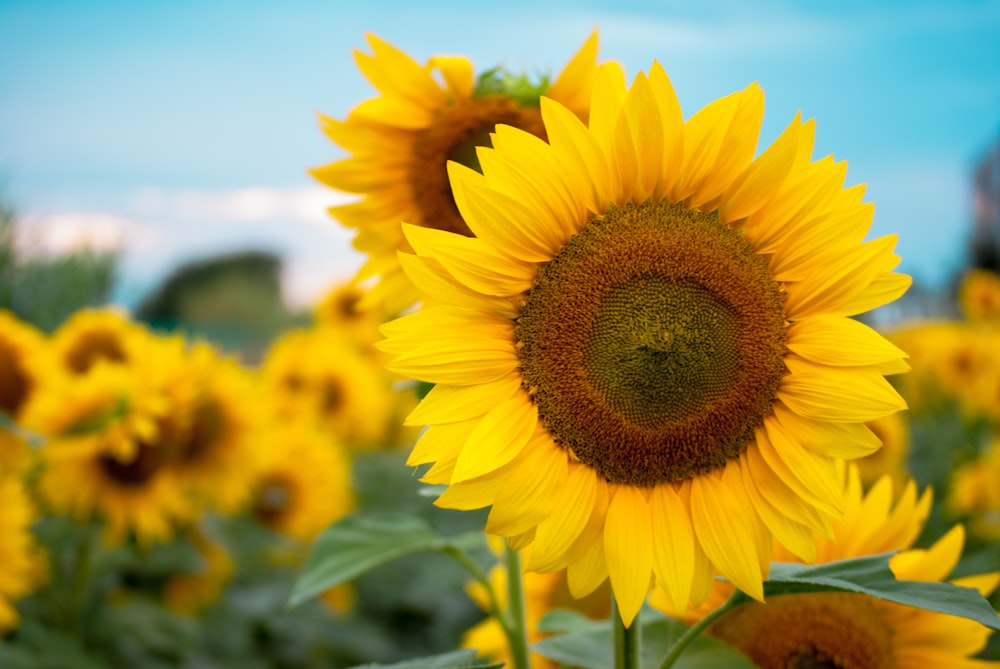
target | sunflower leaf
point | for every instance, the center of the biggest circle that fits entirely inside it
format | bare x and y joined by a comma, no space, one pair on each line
591,647
871,575
457,659
357,544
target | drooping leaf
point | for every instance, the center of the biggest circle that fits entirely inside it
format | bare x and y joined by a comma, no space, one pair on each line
357,544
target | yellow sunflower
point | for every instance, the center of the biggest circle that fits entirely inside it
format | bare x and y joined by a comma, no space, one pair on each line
644,360
212,449
21,374
317,375
303,484
108,450
90,335
340,311
974,492
401,141
894,433
20,555
850,631
979,295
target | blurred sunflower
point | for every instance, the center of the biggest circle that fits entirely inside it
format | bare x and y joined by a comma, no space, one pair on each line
402,140
189,593
979,295
340,310
894,433
303,484
316,375
851,631
644,359
212,449
109,447
90,335
22,366
973,492
20,555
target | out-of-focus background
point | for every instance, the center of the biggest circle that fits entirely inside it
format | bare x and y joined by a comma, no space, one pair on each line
169,133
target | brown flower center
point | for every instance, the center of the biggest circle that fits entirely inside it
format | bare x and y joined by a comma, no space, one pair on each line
454,135
91,347
815,631
14,382
653,343
136,472
208,425
273,500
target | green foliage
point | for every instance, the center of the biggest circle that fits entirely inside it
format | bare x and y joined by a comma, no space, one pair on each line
520,87
459,659
45,290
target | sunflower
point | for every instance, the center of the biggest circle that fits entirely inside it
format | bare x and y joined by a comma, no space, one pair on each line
317,375
90,335
894,433
212,449
644,359
190,593
19,553
303,484
979,295
850,631
108,449
340,311
973,492
402,140
21,373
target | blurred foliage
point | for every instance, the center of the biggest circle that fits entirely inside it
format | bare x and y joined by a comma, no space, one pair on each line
44,290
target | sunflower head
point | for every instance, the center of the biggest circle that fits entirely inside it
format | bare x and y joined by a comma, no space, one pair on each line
92,335
644,357
425,115
20,554
979,295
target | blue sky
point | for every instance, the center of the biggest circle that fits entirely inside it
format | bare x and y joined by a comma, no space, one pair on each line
184,128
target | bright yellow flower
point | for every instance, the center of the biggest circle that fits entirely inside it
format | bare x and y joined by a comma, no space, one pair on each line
894,433
22,372
304,482
979,295
974,492
90,335
851,631
317,375
20,555
401,141
644,358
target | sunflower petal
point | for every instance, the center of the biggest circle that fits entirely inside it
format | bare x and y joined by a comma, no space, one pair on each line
628,548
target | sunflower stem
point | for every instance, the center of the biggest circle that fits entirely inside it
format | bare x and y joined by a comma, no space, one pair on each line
692,632
627,640
516,618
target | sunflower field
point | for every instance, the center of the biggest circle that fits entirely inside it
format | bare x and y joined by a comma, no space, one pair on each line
606,392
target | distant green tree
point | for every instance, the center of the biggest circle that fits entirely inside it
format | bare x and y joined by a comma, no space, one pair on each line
45,290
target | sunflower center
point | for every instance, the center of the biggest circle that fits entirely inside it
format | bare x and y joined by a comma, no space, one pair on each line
816,631
207,426
274,498
14,383
136,472
91,347
653,343
331,396
454,135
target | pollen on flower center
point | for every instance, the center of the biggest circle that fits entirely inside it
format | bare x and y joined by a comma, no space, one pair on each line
653,343
454,135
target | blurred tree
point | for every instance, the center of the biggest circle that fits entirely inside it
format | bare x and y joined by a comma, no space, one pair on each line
44,290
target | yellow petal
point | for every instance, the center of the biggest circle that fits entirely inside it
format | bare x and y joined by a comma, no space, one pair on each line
432,280
573,86
450,404
528,496
441,442
674,545
457,72
476,494
932,564
838,440
628,548
498,438
570,516
840,341
794,536
672,132
580,154
817,472
838,395
587,573
394,73
642,117
725,530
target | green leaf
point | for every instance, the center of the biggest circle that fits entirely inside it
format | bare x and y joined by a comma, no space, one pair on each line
871,575
566,621
590,648
457,659
357,544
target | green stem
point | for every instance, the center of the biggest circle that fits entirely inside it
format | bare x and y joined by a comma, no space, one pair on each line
80,580
516,618
692,632
627,640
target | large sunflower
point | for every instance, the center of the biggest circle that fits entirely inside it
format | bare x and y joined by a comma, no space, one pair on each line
644,358
402,140
848,631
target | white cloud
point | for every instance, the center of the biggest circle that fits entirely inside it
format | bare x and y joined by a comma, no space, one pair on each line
60,233
238,205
